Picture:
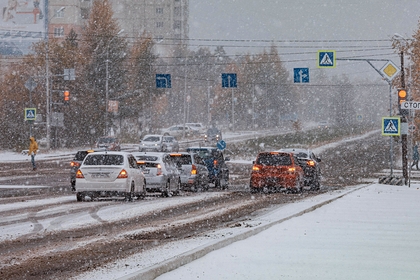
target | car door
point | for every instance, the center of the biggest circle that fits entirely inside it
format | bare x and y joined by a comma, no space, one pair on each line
135,173
202,168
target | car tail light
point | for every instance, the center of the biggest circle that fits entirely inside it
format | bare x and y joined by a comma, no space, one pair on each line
255,168
79,174
193,170
215,162
159,170
74,164
123,174
311,163
291,169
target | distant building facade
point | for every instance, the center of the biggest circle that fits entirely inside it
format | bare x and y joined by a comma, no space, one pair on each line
163,19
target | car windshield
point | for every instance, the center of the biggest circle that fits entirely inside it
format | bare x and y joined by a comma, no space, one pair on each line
106,140
213,131
147,158
80,155
168,139
152,139
274,159
182,159
104,159
203,153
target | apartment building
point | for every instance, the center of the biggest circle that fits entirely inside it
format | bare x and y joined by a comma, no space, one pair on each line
164,20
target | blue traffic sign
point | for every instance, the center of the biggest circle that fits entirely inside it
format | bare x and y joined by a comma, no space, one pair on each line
163,80
30,114
391,126
301,75
221,145
229,80
326,59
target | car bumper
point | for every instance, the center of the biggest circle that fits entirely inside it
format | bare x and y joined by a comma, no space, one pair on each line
156,183
119,185
289,181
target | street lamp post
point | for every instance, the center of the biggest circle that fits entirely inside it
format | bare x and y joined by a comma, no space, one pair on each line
47,79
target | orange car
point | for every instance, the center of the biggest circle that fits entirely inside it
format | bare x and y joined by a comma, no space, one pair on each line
276,171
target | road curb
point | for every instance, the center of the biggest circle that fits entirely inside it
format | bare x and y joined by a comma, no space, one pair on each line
156,270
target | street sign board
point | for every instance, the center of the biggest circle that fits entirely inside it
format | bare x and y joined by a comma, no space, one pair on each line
301,75
410,105
229,80
391,126
390,70
30,114
69,74
326,59
221,145
30,84
163,81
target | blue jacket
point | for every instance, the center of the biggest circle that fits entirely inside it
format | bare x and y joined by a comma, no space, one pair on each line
415,153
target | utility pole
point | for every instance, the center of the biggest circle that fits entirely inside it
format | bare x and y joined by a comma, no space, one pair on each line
404,131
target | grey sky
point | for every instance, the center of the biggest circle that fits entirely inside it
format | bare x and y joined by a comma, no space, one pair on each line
302,19
282,20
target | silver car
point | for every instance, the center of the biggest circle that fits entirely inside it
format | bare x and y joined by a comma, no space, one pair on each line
170,144
194,173
161,174
108,174
151,143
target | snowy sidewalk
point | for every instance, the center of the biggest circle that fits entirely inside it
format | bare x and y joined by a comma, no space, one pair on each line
370,233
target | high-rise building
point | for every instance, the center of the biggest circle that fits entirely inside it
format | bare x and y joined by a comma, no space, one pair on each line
166,21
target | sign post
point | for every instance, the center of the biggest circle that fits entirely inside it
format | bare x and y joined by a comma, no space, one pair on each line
230,80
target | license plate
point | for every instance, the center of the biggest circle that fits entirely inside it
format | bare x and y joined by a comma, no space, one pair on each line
100,175
146,171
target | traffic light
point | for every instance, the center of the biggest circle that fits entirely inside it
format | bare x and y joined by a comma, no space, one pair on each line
402,97
66,97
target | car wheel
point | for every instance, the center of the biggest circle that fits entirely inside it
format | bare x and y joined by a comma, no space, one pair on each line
178,187
143,193
167,191
129,196
316,185
217,183
79,196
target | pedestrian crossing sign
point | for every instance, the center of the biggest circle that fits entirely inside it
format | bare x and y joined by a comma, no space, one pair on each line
30,114
326,59
391,126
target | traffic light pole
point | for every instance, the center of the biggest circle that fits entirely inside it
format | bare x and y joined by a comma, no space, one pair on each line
404,124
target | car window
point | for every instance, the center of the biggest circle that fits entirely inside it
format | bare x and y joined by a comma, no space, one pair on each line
274,159
147,158
104,159
132,162
203,153
182,159
107,140
302,155
152,139
198,159
80,156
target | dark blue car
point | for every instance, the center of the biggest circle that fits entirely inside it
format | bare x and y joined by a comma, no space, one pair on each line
216,164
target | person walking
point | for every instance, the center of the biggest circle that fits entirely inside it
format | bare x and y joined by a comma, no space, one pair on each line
33,148
416,156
